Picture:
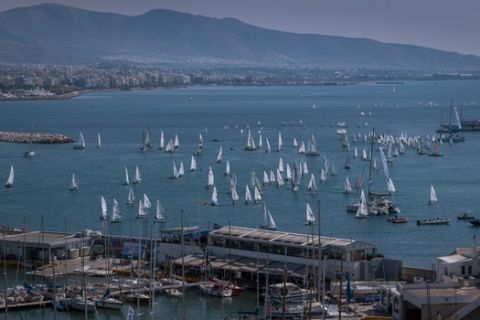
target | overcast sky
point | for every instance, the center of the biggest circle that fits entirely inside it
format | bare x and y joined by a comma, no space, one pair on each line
445,24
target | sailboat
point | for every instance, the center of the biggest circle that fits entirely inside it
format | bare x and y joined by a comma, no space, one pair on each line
280,142
390,186
176,142
267,143
138,176
260,140
169,147
269,223
248,195
160,214
312,185
227,169
73,184
334,169
362,211
295,143
347,187
289,173
433,195
175,171
323,176
310,217
193,164
181,170
301,149
266,179
99,141
11,177
272,177
250,142
131,196
235,196
141,210
30,153
116,215
214,198
256,195
146,202
211,179
280,165
162,141
280,181
304,168
311,147
81,143
199,145
219,155
103,215
127,180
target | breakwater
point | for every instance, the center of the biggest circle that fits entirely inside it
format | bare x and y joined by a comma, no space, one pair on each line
41,138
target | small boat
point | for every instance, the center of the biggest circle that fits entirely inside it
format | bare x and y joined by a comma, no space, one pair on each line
131,196
211,178
162,141
181,170
146,202
234,194
214,198
73,183
141,210
216,290
433,196
347,164
248,195
81,143
116,215
79,304
433,221
138,176
11,178
136,296
193,164
176,142
227,169
280,142
347,187
108,303
257,197
160,214
220,155
398,219
127,180
267,143
250,142
310,217
465,216
475,222
174,293
103,215
269,223
30,153
99,141
362,211
312,185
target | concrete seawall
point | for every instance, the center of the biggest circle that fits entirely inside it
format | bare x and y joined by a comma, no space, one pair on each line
41,138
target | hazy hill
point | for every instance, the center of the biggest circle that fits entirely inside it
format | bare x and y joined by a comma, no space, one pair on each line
59,34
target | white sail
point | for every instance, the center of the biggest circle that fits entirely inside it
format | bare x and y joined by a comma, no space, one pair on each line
160,214
269,222
362,210
73,183
220,155
312,185
310,217
138,176
280,181
302,149
214,198
364,154
266,179
81,142
169,147
280,165
347,187
272,177
280,141
175,171
323,176
305,168
250,142
295,143
193,164
99,141
103,215
267,143
248,195
11,178
141,210
375,167
260,140
390,186
334,169
433,195
162,140
355,153
146,202
235,196
211,179
289,175
176,142
181,170
227,168
116,215
131,196
127,180
257,196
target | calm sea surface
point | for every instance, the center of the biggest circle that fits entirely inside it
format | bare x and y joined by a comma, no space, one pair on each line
42,183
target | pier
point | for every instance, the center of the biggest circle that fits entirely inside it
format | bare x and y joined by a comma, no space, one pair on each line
38,138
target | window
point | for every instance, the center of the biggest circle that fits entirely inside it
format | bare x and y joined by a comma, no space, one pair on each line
463,269
445,271
469,269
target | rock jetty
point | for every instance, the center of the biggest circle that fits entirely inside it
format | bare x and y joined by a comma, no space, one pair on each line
41,138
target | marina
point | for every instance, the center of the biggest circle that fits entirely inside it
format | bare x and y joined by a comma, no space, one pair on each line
245,214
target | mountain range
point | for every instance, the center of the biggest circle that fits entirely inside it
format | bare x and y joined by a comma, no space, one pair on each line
51,33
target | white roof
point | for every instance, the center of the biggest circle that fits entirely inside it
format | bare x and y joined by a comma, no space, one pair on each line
454,258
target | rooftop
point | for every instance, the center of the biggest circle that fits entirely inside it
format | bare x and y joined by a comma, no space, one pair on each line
47,237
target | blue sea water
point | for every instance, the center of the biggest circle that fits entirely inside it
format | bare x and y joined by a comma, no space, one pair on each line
42,183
